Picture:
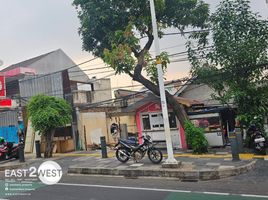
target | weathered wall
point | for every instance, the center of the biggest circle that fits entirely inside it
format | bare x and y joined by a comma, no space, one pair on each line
129,120
98,124
102,90
95,124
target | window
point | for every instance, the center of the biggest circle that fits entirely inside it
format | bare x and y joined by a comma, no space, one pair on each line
208,123
155,121
146,122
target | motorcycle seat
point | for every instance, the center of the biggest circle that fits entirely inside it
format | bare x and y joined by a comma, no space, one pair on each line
130,142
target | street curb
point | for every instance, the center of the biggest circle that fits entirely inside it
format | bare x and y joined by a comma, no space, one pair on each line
24,164
183,175
14,166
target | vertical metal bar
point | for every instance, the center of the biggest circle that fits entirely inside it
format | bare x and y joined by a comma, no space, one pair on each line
85,137
103,147
21,153
38,149
234,146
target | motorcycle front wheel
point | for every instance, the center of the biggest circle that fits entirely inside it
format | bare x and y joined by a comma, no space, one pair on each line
155,155
121,154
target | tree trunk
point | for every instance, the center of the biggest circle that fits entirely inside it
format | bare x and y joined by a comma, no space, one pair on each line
49,143
178,109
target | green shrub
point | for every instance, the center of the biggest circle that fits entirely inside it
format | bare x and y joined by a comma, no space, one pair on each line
195,138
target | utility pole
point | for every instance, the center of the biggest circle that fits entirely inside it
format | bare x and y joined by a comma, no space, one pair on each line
170,160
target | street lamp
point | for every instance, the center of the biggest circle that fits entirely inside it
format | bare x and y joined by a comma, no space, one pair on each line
170,160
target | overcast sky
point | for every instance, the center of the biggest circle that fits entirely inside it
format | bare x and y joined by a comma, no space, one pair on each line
33,27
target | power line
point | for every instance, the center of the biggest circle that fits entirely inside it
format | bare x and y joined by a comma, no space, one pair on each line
188,32
181,60
182,32
55,92
114,100
91,69
171,47
93,74
73,66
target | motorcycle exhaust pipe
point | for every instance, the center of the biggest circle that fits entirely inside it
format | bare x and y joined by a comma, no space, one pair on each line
124,153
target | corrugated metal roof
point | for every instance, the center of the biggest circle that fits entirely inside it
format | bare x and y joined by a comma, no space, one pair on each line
51,85
8,118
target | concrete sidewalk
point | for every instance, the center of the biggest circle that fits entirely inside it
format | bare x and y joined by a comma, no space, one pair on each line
194,167
191,169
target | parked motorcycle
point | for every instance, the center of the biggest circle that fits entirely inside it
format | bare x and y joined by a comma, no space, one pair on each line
257,140
9,150
126,149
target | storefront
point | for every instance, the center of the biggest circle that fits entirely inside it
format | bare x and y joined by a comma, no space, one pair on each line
149,121
215,122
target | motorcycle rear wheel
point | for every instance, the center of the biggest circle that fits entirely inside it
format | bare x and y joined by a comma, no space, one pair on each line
120,154
155,155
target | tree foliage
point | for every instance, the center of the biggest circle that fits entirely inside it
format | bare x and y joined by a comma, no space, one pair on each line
232,58
115,31
47,113
195,138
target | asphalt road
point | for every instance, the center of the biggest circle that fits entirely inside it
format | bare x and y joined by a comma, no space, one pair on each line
250,186
89,192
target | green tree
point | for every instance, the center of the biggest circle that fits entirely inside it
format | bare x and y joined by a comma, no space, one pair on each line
46,114
112,30
232,58
195,138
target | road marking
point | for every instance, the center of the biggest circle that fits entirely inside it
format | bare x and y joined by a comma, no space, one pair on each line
258,156
136,165
246,156
252,195
217,193
160,190
126,188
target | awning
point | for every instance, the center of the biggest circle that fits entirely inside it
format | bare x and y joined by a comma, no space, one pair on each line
189,102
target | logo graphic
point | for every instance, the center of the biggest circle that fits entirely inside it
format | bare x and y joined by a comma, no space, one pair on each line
49,172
